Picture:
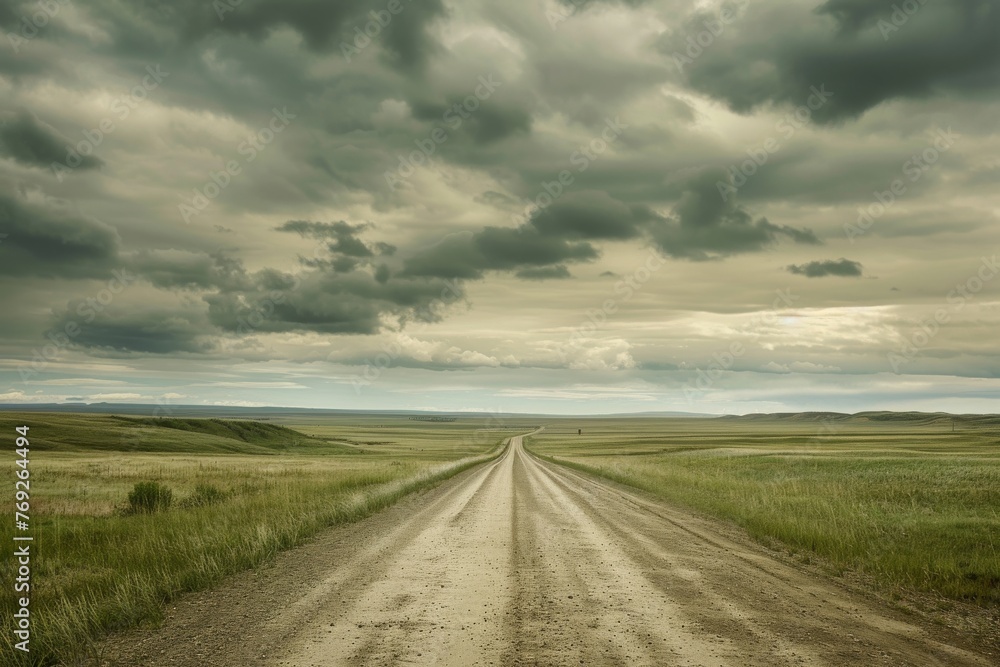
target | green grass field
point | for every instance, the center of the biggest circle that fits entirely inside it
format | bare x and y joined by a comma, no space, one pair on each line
242,491
910,502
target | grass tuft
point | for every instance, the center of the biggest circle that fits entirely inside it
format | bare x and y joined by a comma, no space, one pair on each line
149,497
204,495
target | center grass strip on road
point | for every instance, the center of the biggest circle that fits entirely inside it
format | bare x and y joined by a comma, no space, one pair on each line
108,573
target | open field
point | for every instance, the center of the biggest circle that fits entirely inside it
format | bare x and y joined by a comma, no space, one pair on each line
524,562
910,502
517,560
242,491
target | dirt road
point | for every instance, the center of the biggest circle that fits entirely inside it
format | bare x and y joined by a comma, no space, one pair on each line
521,562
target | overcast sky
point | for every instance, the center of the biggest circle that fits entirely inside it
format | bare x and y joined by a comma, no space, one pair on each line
527,205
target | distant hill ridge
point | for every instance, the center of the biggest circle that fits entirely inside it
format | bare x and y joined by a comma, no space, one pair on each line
924,418
245,430
115,433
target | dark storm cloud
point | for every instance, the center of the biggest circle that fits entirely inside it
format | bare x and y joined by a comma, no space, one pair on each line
553,236
863,51
559,233
338,293
19,69
53,242
454,257
320,301
557,272
497,123
9,16
329,302
343,236
27,140
489,123
324,26
470,255
705,226
117,330
584,4
344,264
831,267
589,215
166,269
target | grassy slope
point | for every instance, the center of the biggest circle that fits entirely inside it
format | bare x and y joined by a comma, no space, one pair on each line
909,502
59,432
102,570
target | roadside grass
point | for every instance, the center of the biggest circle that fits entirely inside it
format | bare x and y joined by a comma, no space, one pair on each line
100,568
914,507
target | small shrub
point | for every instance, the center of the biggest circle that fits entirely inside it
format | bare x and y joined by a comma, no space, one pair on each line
205,494
149,497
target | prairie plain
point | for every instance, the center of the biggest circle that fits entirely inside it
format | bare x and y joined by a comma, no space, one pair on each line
241,491
901,509
913,500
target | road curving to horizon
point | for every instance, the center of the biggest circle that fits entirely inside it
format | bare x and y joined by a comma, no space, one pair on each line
525,562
